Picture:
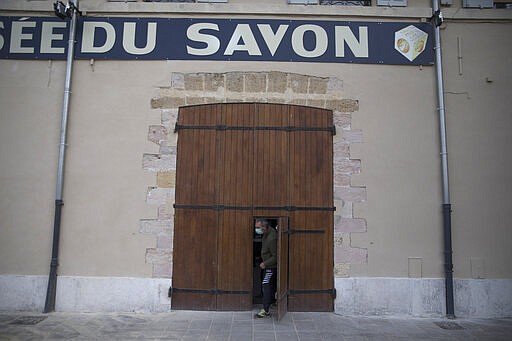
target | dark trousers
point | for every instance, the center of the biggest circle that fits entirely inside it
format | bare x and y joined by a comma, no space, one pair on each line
269,284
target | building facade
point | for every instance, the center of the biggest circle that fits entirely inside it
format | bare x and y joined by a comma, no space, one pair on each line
189,120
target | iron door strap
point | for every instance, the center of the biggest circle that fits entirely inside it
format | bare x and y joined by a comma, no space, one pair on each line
207,291
178,127
250,208
305,231
313,291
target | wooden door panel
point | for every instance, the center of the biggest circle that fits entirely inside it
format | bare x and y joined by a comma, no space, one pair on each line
311,158
194,259
234,188
235,261
311,248
195,232
310,302
197,156
271,150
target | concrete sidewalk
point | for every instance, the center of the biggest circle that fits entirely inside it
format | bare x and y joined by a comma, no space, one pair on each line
200,325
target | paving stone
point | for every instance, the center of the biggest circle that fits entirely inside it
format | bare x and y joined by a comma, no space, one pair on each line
286,336
187,325
200,324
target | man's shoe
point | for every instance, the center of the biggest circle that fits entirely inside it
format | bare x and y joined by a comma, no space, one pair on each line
262,314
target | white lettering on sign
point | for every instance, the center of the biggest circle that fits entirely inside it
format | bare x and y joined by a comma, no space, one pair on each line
88,37
17,36
1,36
344,35
47,37
320,43
243,32
129,39
181,38
273,40
212,42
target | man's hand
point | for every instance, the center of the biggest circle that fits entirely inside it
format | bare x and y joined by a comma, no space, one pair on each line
262,265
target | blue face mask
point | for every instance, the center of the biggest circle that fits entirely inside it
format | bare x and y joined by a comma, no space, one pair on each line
258,231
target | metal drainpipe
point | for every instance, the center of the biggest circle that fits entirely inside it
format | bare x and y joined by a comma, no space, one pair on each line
447,220
49,305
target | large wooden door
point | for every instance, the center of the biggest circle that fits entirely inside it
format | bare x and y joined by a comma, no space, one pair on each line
238,161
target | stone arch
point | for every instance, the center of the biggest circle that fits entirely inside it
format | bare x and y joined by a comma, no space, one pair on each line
268,87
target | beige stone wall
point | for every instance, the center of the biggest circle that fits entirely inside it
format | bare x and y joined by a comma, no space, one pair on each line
117,218
479,119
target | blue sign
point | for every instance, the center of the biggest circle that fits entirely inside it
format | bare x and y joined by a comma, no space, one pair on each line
219,39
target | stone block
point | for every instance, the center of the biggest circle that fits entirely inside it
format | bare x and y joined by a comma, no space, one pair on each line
169,117
344,105
157,134
318,85
158,256
341,150
349,225
277,82
341,179
297,101
155,227
162,270
351,255
194,81
167,102
193,100
159,196
235,81
341,120
213,81
255,82
165,212
342,270
177,81
233,100
338,237
298,83
164,241
166,179
168,147
261,99
344,209
353,136
316,103
279,100
210,100
334,85
352,194
158,163
350,166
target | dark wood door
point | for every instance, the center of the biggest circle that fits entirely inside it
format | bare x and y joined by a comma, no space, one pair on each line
237,161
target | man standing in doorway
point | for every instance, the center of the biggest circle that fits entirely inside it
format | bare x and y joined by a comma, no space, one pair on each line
268,264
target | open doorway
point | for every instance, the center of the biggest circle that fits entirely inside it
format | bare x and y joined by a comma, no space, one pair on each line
257,272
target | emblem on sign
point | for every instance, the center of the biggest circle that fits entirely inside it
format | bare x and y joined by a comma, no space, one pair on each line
410,42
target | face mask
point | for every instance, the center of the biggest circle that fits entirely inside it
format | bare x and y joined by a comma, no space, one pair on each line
258,231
